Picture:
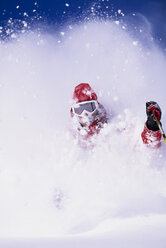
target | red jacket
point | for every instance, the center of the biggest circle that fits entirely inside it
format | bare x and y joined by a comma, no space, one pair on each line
95,127
151,138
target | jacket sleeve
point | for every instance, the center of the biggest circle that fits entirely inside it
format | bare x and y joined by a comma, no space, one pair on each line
151,138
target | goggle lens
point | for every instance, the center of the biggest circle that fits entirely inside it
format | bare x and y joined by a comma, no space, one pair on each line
89,107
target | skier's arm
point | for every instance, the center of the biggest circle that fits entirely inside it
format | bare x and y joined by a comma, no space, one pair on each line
151,134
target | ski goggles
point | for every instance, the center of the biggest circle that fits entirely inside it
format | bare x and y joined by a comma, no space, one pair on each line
88,106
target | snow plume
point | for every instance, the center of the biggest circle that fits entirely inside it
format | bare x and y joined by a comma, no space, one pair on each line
49,185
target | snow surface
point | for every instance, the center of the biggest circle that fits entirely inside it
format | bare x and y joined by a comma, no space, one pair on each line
53,192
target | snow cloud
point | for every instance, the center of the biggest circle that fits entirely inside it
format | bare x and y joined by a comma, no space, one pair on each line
50,185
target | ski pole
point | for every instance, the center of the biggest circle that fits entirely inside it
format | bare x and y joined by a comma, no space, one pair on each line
160,127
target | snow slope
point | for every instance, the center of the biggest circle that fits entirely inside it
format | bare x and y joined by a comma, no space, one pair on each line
113,194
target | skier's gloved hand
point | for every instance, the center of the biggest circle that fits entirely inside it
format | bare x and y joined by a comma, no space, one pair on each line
152,108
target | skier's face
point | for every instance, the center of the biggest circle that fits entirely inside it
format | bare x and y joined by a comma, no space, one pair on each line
87,118
86,112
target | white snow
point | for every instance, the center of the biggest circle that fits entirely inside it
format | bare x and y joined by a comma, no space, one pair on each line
53,192
135,43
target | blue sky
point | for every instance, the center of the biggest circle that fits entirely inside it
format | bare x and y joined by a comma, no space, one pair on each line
60,11
54,9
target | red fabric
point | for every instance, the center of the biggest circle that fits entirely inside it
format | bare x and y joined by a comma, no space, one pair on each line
156,112
83,92
93,129
152,138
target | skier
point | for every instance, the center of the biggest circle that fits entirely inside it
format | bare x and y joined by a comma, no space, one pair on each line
151,134
88,114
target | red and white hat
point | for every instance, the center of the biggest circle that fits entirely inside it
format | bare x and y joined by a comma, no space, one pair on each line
83,92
